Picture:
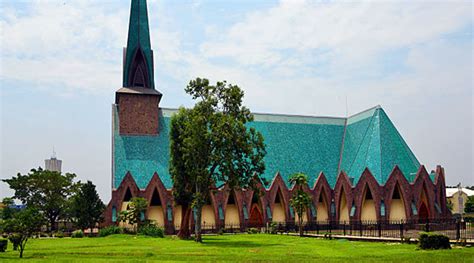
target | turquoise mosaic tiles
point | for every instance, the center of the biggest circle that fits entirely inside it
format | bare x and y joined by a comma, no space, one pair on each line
300,144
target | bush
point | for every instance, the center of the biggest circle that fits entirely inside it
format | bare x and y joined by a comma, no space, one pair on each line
15,239
59,234
77,234
434,241
252,230
3,245
111,230
151,230
273,228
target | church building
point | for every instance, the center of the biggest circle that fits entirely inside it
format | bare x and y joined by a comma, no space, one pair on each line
359,167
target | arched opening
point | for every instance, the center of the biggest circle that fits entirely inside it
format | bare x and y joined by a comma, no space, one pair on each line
397,206
125,205
423,211
155,211
368,212
138,76
278,214
343,207
322,211
232,211
256,216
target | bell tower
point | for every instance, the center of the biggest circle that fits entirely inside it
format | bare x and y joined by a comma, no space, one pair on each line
138,101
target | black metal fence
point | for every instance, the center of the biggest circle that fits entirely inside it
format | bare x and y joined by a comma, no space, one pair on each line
403,229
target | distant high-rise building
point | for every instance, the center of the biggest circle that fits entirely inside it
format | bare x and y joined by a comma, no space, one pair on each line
53,164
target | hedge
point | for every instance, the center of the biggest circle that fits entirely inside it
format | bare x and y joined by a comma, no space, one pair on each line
434,241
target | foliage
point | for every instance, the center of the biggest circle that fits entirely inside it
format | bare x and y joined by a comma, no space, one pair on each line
15,238
273,228
7,212
449,205
59,234
433,241
210,143
77,234
3,245
133,214
300,201
22,226
44,190
252,230
151,230
111,230
86,206
469,206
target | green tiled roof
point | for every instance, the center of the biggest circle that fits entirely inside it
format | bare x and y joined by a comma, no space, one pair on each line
294,144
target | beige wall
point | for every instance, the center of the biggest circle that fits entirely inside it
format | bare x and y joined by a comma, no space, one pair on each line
155,213
305,217
123,208
208,217
278,213
368,211
177,215
322,211
232,215
397,210
343,209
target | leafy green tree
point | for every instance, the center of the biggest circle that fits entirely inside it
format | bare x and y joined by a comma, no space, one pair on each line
133,214
210,143
300,201
23,225
45,190
469,206
86,206
7,212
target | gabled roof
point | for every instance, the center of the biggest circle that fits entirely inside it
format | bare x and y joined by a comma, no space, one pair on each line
451,191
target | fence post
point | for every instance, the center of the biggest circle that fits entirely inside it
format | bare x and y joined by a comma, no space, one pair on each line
458,229
379,226
401,231
360,228
344,228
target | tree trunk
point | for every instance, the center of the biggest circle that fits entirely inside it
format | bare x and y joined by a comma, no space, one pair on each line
197,225
184,232
300,220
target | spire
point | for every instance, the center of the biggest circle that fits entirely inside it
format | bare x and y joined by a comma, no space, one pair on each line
138,56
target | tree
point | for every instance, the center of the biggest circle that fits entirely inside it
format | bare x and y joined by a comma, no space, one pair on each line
469,206
210,143
133,214
300,201
45,190
23,225
86,206
7,211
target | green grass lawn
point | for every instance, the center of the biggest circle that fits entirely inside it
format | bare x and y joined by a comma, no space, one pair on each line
258,247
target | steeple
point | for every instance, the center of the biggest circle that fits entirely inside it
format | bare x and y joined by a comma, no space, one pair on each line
138,56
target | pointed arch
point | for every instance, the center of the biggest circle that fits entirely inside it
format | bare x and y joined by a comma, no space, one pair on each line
423,190
158,201
368,197
397,195
343,197
368,211
138,75
278,199
232,209
322,198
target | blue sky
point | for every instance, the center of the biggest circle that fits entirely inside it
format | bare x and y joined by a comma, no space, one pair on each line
61,61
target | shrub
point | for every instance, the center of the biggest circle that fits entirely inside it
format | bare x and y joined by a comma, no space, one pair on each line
59,234
151,230
252,230
77,234
273,228
434,241
3,245
15,239
111,230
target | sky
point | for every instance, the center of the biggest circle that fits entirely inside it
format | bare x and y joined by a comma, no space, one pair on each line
61,63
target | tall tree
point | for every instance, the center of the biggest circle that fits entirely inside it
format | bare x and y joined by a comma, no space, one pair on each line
86,206
300,201
135,211
211,143
45,190
23,224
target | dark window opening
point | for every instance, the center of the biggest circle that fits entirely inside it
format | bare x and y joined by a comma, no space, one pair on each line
128,195
231,200
155,199
368,194
396,193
